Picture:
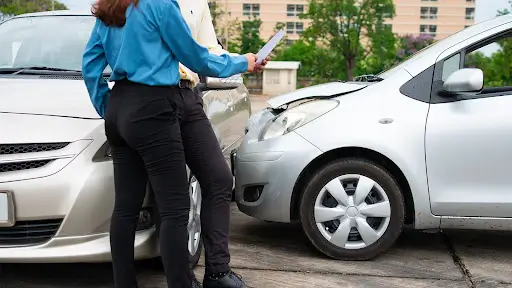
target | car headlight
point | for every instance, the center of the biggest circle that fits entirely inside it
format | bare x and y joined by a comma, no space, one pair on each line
296,117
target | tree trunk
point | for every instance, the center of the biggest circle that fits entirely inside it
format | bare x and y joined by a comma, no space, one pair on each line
351,67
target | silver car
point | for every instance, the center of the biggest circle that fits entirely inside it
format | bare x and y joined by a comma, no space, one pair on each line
56,175
425,144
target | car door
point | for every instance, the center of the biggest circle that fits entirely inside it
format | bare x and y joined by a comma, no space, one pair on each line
468,139
217,108
240,108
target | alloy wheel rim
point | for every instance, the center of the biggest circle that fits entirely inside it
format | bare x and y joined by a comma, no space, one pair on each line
352,211
194,219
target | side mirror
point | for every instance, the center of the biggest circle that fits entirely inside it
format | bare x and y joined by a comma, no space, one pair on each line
467,81
229,83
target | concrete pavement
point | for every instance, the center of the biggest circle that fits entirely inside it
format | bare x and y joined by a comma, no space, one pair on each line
278,255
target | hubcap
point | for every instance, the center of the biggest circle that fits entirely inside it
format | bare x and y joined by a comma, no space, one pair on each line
352,211
194,219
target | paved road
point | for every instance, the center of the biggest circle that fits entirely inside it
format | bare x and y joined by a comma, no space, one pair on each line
277,255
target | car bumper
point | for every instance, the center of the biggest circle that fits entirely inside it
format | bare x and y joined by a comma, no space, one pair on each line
62,210
266,173
85,249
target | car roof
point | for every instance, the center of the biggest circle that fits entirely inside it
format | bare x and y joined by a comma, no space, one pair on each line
56,13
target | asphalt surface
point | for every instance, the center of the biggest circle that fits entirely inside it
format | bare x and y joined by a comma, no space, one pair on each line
278,255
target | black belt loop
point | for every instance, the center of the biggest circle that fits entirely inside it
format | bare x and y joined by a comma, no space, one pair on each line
185,84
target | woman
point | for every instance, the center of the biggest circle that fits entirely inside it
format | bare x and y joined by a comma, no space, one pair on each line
143,41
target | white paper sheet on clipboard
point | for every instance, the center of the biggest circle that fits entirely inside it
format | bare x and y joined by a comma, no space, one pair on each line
271,44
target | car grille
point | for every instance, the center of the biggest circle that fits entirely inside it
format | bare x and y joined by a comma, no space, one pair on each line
17,166
29,232
9,149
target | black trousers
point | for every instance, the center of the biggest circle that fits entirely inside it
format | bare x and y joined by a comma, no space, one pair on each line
207,163
154,132
142,127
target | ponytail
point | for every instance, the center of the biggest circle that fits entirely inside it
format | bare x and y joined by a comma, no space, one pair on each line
112,12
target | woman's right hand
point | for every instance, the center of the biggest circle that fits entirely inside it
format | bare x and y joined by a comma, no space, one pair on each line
251,60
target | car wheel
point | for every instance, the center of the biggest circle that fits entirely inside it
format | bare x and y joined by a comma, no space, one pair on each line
352,209
195,242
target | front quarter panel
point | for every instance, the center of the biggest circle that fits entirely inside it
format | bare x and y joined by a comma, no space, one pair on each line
356,122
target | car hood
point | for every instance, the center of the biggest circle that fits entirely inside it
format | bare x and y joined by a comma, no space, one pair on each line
54,97
318,91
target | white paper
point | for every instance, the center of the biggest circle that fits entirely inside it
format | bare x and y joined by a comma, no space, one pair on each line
271,44
4,214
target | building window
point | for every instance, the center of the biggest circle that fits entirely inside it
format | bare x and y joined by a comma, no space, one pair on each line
428,30
470,13
299,27
251,9
428,0
470,1
294,27
294,10
428,13
289,42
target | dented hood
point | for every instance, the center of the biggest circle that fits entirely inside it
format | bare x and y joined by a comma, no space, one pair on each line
318,91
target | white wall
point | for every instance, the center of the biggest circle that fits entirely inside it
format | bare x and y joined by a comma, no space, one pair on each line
279,81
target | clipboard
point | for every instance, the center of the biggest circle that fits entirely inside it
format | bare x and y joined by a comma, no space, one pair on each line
270,46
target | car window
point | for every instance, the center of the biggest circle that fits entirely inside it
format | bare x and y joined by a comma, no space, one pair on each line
495,60
450,65
49,41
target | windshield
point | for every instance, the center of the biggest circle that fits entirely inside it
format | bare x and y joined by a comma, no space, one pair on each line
56,42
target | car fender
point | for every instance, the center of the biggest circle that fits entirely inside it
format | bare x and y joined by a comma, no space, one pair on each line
393,126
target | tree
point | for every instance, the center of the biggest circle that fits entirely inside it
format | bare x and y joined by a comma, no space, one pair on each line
382,51
410,44
17,7
248,39
317,63
281,46
505,11
344,25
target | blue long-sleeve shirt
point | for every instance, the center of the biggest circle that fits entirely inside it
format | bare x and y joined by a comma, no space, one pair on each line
147,50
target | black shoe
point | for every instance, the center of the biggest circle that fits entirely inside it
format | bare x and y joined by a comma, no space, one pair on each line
230,280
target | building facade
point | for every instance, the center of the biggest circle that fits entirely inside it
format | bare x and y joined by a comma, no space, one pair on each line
439,18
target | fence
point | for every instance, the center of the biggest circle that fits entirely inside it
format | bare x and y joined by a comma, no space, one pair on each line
254,83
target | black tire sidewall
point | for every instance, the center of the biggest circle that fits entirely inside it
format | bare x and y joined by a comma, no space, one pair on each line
343,167
194,259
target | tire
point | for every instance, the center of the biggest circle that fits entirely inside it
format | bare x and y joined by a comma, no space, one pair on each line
195,197
194,259
386,193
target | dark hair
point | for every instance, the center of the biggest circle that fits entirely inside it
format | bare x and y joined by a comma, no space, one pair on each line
112,12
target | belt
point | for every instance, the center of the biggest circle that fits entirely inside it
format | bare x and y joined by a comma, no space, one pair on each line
185,84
